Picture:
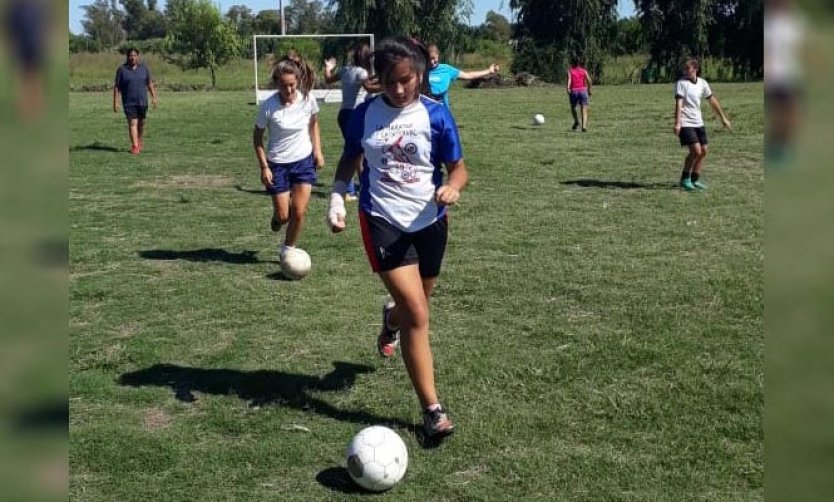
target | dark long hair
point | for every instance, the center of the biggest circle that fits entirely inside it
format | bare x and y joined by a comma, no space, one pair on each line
361,56
393,50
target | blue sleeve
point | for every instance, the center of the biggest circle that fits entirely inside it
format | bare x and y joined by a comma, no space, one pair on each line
446,145
355,130
453,73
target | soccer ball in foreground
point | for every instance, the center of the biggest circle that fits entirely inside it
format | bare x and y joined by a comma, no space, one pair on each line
538,119
377,458
295,263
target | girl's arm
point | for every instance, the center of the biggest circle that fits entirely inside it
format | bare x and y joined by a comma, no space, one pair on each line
588,81
260,154
471,75
449,193
315,139
716,107
329,75
567,85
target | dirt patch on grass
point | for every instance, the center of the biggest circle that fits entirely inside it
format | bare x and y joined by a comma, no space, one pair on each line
155,419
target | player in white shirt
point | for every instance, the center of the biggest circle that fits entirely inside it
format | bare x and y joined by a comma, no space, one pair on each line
689,124
354,77
288,164
404,140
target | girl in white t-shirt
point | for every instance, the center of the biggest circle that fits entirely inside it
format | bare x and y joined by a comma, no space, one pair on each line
354,77
689,124
288,164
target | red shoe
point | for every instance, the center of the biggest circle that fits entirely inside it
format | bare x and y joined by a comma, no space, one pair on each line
135,149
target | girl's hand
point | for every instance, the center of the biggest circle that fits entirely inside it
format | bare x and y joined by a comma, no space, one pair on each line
494,68
319,160
329,64
726,122
446,196
336,213
266,176
677,129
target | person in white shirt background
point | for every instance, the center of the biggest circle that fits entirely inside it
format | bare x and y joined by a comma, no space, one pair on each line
689,123
355,77
289,162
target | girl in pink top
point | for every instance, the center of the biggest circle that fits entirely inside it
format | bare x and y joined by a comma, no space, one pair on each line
579,91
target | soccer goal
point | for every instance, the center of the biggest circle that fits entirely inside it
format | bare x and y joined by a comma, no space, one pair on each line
314,49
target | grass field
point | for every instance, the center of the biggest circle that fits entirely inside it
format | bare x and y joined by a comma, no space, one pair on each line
598,333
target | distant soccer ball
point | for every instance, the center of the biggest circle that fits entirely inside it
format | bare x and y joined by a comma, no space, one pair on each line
538,119
377,458
295,264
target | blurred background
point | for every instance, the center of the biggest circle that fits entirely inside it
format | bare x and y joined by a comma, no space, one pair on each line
33,249
799,413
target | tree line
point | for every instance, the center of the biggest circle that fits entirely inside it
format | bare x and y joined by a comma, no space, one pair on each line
542,37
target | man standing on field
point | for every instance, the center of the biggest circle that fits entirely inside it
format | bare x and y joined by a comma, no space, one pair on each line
133,81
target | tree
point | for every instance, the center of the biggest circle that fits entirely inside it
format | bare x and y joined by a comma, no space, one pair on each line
103,23
142,22
308,16
199,37
431,20
550,32
241,18
496,27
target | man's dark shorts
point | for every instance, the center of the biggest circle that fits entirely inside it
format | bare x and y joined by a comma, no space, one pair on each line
135,112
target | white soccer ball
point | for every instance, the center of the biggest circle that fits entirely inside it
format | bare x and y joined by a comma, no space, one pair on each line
538,119
295,263
377,458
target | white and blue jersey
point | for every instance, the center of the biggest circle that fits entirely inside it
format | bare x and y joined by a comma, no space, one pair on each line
440,79
404,151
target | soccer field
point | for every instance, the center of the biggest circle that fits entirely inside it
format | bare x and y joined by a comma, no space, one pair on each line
598,333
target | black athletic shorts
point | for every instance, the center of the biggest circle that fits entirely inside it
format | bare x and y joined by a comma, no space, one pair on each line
388,247
693,135
136,112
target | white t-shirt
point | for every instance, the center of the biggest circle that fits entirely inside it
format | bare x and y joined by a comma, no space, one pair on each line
289,133
352,78
784,35
404,152
692,93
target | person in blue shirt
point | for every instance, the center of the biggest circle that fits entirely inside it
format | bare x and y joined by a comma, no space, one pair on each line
441,75
133,81
403,140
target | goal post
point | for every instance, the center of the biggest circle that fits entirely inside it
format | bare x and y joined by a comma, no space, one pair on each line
314,49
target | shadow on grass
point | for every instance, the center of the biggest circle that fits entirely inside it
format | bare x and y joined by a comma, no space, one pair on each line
319,191
204,255
95,147
622,185
338,480
262,388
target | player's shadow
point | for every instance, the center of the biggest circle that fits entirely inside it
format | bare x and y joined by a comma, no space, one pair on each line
262,387
95,146
245,257
621,185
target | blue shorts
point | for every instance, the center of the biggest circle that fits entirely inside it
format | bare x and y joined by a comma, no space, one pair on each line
579,98
292,173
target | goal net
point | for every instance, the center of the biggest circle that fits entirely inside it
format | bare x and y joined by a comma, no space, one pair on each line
314,49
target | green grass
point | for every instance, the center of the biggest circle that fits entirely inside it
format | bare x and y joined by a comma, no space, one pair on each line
597,333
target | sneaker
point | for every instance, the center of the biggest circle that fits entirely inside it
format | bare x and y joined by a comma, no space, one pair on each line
687,185
349,197
437,424
699,185
388,339
575,126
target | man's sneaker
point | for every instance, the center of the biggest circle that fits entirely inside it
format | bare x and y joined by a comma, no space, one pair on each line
699,185
437,424
388,339
687,185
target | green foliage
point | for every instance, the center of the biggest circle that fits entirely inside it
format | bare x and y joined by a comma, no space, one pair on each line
103,23
146,46
550,33
199,37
